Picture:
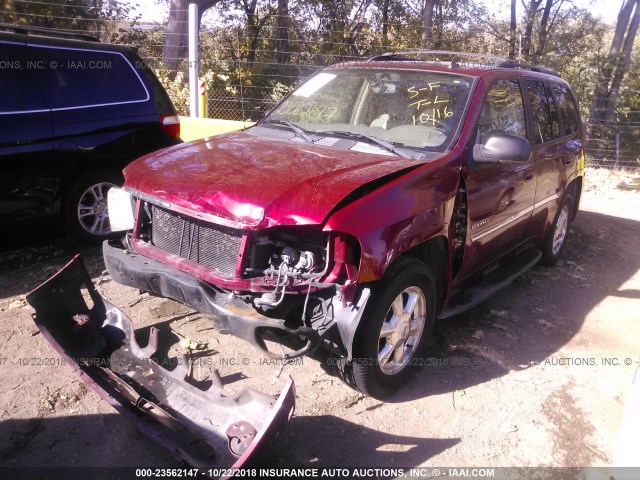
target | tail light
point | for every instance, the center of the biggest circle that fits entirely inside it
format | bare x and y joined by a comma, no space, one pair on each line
171,125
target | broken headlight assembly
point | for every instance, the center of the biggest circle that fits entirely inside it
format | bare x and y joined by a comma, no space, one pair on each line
310,275
300,259
287,259
297,252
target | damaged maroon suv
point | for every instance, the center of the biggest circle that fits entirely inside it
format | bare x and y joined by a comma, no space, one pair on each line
378,196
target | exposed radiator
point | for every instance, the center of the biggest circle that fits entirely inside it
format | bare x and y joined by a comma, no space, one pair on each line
213,246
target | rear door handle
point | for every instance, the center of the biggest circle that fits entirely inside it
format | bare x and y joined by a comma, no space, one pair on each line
527,176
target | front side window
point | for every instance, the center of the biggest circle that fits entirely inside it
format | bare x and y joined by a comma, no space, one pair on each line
83,78
502,112
568,109
407,108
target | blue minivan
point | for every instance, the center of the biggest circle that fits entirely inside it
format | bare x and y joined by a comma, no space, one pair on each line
73,113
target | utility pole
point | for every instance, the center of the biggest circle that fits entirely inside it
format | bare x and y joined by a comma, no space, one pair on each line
520,48
193,60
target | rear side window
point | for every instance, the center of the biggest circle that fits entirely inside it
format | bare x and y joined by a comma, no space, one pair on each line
84,78
553,111
545,117
568,109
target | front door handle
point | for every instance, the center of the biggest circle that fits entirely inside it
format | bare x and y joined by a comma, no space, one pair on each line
527,176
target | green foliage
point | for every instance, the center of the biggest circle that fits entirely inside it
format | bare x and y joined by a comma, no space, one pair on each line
95,17
177,88
628,109
573,50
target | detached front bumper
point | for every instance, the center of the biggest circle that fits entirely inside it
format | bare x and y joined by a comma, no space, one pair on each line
332,324
205,428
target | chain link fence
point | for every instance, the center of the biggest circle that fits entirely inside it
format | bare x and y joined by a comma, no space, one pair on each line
252,88
246,75
249,96
614,145
225,105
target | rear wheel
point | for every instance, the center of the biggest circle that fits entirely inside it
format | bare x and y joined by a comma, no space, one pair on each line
556,239
86,209
393,330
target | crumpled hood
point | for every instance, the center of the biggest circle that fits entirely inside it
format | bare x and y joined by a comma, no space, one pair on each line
255,181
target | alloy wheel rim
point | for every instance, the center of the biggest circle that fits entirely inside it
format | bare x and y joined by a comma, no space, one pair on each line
560,231
93,213
401,330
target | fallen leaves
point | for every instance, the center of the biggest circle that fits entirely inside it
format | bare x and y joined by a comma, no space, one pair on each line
189,344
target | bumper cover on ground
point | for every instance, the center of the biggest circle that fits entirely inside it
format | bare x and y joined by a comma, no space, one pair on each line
205,428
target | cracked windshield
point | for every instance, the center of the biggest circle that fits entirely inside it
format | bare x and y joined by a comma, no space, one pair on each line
405,108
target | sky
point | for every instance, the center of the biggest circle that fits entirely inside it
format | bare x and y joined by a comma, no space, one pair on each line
607,9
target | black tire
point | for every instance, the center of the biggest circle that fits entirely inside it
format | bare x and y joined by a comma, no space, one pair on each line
85,207
556,239
368,371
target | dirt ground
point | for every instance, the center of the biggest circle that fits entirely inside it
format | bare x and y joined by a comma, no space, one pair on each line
536,376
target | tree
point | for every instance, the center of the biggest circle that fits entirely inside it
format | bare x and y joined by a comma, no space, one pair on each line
530,13
543,29
427,23
343,25
176,39
74,16
282,31
98,18
616,64
384,11
534,45
512,31
256,21
448,24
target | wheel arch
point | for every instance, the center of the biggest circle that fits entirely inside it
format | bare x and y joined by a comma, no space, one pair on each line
79,174
575,190
356,368
434,253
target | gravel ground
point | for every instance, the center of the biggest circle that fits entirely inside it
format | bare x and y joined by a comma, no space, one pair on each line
536,376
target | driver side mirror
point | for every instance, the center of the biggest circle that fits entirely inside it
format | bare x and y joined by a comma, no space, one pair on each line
503,148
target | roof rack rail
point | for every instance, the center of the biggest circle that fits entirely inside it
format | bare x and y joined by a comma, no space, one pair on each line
533,68
51,32
455,62
402,56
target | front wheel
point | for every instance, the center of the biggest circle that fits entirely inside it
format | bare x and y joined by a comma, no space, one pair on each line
393,329
86,209
556,239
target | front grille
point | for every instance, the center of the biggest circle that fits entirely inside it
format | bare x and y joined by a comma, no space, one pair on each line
210,245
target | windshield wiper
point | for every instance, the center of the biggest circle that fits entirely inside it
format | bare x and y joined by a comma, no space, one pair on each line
292,126
381,143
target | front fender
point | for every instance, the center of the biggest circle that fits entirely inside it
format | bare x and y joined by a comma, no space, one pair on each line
400,215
